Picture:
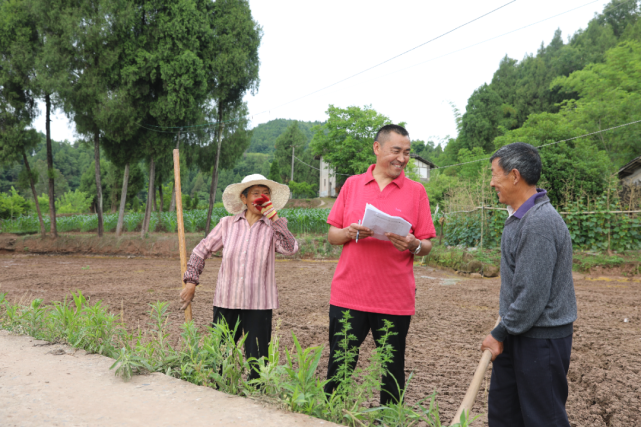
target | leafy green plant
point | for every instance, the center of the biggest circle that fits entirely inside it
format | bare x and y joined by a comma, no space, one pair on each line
215,359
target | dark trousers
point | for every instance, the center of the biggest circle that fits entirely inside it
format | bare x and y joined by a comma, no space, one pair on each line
361,323
257,326
529,385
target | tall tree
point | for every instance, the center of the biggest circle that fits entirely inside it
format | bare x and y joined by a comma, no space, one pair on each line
95,30
18,38
51,61
234,141
234,67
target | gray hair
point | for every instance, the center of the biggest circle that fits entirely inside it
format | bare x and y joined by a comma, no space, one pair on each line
523,157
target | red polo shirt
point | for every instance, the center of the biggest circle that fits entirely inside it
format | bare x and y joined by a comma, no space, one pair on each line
372,275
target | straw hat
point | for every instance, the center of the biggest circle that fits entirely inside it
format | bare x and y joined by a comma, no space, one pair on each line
231,195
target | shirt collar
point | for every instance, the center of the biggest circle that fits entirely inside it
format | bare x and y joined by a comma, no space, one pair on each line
241,215
529,203
369,175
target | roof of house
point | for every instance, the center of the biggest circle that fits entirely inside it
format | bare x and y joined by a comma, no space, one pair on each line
630,168
422,160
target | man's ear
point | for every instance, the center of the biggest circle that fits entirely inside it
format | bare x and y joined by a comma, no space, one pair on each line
517,176
377,148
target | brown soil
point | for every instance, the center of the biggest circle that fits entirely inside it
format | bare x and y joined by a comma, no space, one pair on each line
453,315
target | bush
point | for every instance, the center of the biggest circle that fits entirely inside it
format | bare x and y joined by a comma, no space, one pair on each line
73,202
302,190
12,205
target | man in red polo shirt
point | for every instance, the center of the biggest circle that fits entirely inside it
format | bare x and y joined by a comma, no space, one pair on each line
374,279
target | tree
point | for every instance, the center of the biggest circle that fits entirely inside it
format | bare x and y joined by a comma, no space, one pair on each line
49,56
274,172
569,167
483,115
94,32
609,94
288,144
345,141
17,101
234,140
234,67
165,74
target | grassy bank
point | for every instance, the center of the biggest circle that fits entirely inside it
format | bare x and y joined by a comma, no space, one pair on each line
288,378
487,262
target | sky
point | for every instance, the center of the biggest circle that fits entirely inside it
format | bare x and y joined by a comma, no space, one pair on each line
307,46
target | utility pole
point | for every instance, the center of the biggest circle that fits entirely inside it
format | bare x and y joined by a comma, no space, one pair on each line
292,178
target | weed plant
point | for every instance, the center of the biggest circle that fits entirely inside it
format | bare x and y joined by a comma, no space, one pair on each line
215,360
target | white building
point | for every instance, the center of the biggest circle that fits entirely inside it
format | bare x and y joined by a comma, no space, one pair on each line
327,185
422,167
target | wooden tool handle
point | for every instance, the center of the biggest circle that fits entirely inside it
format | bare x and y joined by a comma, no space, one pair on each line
475,385
181,227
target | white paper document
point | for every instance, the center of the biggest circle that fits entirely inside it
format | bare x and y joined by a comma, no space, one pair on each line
380,223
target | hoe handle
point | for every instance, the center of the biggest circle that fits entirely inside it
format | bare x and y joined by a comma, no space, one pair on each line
181,227
475,386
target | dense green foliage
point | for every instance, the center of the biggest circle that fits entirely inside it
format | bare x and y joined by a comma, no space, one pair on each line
345,141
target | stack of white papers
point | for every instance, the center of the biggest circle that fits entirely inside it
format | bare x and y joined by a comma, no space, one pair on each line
380,223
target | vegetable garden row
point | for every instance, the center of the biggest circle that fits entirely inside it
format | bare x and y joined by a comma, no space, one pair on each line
300,221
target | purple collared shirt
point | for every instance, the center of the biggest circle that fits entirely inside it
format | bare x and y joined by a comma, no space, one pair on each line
520,212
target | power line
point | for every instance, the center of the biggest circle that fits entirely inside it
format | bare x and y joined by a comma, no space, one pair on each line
353,75
314,167
548,144
487,40
388,60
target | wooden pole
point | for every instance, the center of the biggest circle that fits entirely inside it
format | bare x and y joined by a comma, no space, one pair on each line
181,227
475,386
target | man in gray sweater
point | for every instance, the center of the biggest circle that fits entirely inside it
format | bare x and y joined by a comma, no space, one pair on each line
532,343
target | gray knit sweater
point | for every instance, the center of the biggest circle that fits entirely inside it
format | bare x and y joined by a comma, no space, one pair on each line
537,292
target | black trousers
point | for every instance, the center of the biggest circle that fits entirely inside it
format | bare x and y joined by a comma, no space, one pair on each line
362,322
257,326
529,385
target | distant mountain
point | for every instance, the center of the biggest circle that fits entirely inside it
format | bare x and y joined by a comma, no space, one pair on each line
265,134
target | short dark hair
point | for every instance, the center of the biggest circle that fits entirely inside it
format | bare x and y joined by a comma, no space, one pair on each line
246,190
523,157
382,134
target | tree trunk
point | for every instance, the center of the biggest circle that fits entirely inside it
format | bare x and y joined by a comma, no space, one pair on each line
52,195
123,200
214,173
150,198
172,205
96,156
35,195
160,207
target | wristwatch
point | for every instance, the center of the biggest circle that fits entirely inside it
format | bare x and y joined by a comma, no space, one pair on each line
418,248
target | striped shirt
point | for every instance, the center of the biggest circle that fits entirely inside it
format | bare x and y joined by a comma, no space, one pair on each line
246,278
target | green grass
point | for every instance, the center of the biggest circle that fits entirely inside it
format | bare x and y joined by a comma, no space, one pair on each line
213,359
586,261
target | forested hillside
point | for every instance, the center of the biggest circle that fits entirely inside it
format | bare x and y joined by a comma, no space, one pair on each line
566,89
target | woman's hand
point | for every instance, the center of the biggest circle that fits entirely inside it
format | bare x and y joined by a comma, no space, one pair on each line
187,295
264,205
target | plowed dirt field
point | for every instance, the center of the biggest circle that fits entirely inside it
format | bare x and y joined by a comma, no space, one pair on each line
453,314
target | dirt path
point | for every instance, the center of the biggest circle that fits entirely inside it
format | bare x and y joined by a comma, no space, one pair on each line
43,385
453,315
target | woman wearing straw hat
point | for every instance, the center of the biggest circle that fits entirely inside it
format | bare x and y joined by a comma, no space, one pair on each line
246,289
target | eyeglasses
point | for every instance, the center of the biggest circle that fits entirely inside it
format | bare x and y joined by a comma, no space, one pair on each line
259,193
